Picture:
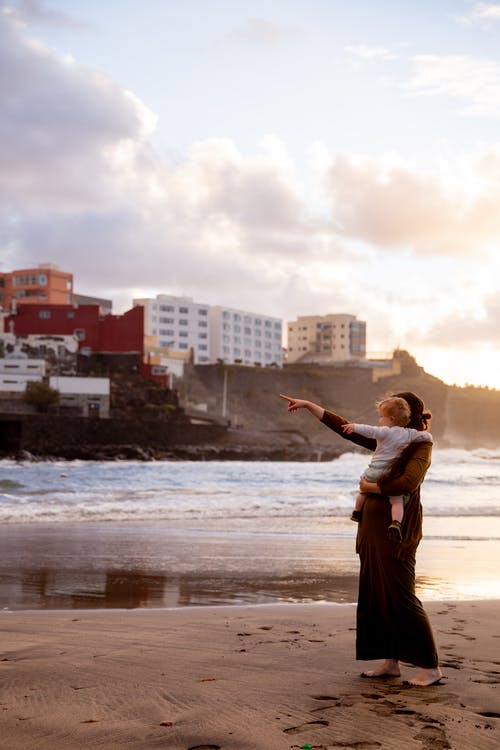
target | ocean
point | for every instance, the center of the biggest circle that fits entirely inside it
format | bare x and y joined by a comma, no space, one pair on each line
182,533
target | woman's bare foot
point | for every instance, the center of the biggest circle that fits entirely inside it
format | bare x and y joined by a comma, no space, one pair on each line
426,677
389,668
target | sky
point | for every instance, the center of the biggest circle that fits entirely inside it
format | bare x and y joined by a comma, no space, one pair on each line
285,157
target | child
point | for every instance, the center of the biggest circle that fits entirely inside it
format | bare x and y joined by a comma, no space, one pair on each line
392,436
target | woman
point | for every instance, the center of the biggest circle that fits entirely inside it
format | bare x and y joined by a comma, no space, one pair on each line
391,621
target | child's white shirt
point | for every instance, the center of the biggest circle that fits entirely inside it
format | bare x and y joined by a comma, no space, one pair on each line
391,440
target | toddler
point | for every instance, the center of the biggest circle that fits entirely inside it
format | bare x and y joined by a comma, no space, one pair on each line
392,436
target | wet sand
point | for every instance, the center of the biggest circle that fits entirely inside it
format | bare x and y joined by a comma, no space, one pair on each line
279,677
94,565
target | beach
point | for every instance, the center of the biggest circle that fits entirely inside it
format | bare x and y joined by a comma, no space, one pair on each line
270,676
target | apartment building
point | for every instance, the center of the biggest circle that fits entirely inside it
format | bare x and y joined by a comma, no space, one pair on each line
326,339
243,337
43,285
177,324
213,333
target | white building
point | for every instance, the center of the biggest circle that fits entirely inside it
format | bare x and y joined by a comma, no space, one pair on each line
326,339
15,373
177,324
89,397
242,337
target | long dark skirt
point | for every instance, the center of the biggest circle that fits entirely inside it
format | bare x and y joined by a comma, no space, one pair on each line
391,621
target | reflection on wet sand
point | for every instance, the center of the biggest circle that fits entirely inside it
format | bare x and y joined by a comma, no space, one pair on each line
46,588
49,588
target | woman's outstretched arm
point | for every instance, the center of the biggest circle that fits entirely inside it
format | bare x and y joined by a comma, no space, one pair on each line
331,420
299,403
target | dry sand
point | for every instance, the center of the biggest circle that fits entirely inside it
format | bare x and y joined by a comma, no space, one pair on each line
262,677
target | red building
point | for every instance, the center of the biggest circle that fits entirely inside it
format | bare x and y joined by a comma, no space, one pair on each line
95,332
44,285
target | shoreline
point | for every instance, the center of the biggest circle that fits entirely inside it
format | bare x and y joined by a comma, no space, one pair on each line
230,677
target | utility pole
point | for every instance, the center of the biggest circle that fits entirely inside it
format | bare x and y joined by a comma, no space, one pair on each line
224,394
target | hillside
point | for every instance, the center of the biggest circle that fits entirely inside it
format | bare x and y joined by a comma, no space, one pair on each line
462,417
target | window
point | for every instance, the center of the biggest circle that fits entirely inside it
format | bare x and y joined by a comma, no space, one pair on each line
202,335
247,331
79,334
166,308
183,310
203,347
202,324
183,322
44,314
183,334
236,316
202,311
166,332
166,320
183,345
258,322
71,314
267,323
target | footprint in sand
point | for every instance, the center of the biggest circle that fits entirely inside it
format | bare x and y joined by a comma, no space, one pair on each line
306,726
433,737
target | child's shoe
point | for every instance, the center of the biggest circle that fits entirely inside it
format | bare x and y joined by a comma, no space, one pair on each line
356,516
394,532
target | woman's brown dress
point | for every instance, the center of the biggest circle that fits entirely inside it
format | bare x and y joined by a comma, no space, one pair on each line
391,621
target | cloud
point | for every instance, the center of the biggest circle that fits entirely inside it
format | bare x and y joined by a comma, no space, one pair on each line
395,206
63,129
34,11
475,81
467,331
366,53
481,12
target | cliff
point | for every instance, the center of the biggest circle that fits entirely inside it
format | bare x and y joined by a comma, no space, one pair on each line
234,412
462,417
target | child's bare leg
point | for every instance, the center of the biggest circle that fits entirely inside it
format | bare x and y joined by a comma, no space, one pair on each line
397,508
397,512
358,506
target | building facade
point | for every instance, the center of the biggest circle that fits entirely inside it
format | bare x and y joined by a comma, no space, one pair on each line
44,285
16,372
86,397
176,324
326,339
245,338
